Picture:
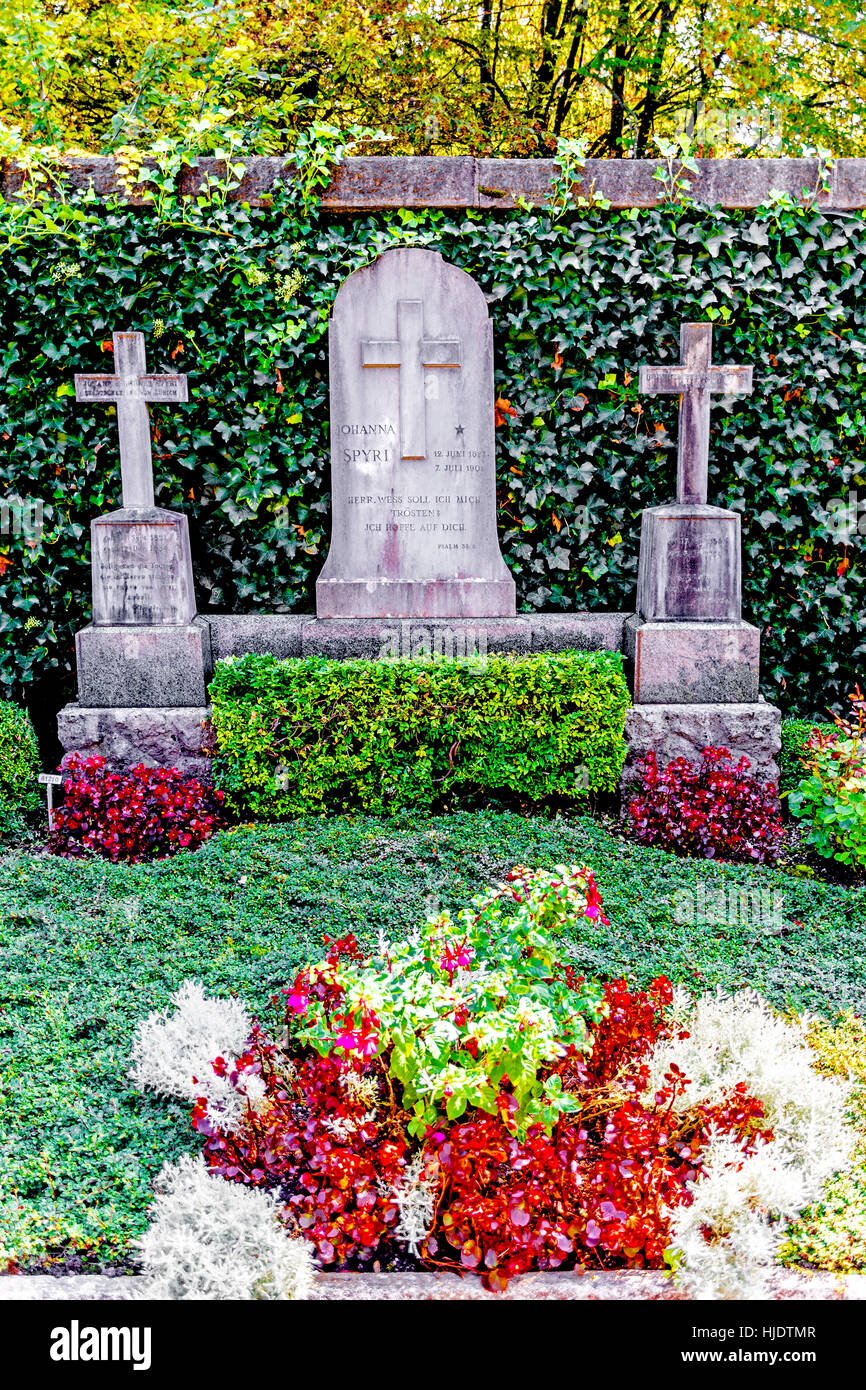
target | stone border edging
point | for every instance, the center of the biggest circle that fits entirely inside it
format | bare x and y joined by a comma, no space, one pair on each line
372,183
614,1285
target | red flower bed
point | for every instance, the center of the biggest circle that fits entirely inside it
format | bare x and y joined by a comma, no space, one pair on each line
148,813
715,810
330,1137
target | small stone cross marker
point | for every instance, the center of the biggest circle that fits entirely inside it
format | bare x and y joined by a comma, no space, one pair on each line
131,388
694,381
412,354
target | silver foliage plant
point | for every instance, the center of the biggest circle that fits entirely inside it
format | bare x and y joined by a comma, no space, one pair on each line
726,1241
174,1045
213,1239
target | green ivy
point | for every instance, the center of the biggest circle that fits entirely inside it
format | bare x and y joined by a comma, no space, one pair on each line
239,299
306,736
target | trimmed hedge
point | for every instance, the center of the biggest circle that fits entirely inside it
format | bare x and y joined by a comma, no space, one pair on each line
795,733
306,736
19,768
239,299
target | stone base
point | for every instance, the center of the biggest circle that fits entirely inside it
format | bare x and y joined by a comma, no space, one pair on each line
383,599
274,634
125,737
689,564
683,731
692,663
294,635
141,569
143,667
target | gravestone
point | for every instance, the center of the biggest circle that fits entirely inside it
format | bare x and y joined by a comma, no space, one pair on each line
688,642
145,646
413,466
141,562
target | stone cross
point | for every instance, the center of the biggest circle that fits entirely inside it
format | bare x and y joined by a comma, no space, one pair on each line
694,380
131,388
412,354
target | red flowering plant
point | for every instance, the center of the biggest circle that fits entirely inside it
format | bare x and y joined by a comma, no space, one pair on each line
147,813
713,810
462,1098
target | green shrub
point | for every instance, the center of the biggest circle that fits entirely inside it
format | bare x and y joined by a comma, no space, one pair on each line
795,733
19,767
305,736
832,800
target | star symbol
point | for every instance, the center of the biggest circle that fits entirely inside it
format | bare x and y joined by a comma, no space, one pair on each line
459,429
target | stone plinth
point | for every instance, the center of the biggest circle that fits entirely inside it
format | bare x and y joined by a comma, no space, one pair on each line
689,564
135,667
413,465
276,634
683,730
126,737
142,569
294,635
692,663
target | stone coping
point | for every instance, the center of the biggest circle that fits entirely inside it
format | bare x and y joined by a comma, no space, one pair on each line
605,1286
377,182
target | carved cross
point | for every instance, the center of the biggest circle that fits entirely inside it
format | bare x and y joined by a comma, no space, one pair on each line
694,381
131,388
412,354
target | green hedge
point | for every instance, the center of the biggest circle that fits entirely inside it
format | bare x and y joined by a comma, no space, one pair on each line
577,305
795,733
19,768
306,736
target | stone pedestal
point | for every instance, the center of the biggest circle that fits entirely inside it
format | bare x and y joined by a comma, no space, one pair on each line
689,564
126,737
683,731
294,635
138,667
696,663
142,569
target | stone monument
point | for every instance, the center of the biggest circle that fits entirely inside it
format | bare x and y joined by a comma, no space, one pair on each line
413,466
688,642
145,646
694,662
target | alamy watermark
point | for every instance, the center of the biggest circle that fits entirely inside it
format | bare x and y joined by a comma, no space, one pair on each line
22,516
77,1343
846,518
750,126
417,642
729,907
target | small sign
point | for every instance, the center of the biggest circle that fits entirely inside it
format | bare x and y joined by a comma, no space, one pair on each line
50,780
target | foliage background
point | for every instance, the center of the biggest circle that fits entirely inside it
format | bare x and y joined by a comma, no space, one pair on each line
434,76
239,299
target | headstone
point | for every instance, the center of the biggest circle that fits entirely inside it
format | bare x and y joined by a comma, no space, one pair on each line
145,649
690,552
413,466
141,562
687,644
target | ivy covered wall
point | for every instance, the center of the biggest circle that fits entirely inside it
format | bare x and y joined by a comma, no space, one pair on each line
239,297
